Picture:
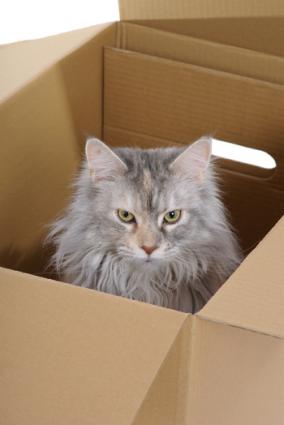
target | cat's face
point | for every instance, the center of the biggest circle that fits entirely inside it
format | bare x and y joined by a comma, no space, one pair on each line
146,218
147,204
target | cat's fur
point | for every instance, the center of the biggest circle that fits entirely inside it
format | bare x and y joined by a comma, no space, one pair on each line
96,250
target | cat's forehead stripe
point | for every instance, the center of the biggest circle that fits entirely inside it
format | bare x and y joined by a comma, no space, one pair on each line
147,181
147,189
148,172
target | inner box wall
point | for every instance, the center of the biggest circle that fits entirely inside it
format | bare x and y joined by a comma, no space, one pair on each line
154,101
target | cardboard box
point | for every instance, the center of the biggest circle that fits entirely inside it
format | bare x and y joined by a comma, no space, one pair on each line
71,355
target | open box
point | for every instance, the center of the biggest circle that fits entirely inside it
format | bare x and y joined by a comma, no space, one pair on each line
71,355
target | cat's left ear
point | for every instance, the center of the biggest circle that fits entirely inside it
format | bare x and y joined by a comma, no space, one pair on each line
194,160
103,163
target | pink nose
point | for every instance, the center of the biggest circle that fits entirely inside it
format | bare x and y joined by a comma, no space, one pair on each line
149,249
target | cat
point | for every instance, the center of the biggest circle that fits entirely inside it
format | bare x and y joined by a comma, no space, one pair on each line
147,224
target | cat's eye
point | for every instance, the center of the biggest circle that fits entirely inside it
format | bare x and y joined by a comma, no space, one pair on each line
126,216
172,217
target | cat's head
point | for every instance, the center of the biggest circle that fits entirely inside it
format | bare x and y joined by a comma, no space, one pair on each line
151,206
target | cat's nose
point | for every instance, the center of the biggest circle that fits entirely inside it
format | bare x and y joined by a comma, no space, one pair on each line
149,249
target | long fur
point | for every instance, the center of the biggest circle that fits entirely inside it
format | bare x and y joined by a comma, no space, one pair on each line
92,250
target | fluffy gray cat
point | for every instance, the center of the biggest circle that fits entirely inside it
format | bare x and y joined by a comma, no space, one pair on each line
147,225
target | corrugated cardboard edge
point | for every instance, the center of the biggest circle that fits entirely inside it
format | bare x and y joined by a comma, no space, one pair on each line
183,9
171,397
249,300
200,52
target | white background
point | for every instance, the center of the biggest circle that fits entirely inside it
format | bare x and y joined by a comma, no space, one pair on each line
28,19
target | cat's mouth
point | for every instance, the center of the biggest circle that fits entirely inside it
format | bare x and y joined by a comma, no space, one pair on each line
144,262
139,260
149,262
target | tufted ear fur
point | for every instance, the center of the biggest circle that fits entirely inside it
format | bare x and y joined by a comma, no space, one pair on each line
194,160
103,163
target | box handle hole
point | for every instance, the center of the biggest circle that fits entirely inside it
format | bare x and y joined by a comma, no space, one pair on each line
238,153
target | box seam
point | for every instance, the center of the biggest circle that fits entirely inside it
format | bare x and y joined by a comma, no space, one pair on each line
232,325
199,68
201,40
182,326
189,385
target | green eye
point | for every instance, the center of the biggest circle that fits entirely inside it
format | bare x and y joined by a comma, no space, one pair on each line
126,216
172,216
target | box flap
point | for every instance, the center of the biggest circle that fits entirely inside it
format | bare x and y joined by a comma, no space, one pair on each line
237,377
197,51
36,56
50,115
253,297
183,9
71,355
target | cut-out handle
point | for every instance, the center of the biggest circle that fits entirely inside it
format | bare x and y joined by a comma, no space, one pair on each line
238,153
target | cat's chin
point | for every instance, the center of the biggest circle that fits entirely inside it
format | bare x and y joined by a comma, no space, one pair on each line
146,263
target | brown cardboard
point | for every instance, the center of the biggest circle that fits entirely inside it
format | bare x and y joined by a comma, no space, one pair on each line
49,117
24,61
258,34
180,96
64,360
201,52
168,397
257,289
181,9
71,355
236,377
159,365
122,88
254,25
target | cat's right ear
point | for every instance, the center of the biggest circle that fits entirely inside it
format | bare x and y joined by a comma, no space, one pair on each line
103,163
194,160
